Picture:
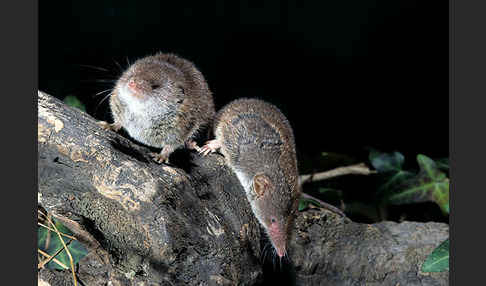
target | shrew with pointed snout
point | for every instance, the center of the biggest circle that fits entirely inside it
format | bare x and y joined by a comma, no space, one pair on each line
161,101
258,144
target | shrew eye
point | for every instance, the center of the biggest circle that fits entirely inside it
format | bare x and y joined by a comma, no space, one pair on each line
182,90
273,220
155,86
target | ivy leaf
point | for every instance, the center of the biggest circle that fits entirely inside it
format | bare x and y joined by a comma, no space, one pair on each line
389,165
386,162
77,250
438,260
74,102
430,167
443,164
327,190
397,179
304,204
429,185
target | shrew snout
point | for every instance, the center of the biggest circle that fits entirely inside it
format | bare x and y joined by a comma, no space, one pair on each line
278,237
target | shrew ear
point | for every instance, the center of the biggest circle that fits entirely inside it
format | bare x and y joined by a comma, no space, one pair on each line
261,183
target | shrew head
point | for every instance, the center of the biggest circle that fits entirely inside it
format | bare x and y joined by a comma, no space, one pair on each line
274,207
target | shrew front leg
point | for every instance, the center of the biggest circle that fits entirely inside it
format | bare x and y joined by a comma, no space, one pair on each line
116,126
192,145
210,146
163,156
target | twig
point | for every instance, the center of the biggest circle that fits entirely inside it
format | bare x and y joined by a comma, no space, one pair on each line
81,235
49,258
67,250
63,234
357,169
323,205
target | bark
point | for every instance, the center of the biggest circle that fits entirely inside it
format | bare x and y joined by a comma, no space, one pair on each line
330,250
190,223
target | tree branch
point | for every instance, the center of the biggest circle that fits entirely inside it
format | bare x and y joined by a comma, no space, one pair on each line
190,223
356,169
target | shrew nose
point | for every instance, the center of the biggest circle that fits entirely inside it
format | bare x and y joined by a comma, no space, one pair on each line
132,84
281,252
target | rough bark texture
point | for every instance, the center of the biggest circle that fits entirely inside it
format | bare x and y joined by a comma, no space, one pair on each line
329,250
190,223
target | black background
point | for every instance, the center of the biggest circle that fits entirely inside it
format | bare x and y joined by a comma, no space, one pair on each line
347,74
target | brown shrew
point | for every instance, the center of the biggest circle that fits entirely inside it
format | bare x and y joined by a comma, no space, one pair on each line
257,142
161,101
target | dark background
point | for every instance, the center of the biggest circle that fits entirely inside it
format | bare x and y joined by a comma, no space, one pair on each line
347,74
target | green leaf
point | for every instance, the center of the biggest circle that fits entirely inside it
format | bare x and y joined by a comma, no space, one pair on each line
443,164
77,250
74,102
304,204
428,166
386,162
429,185
397,179
438,260
328,190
